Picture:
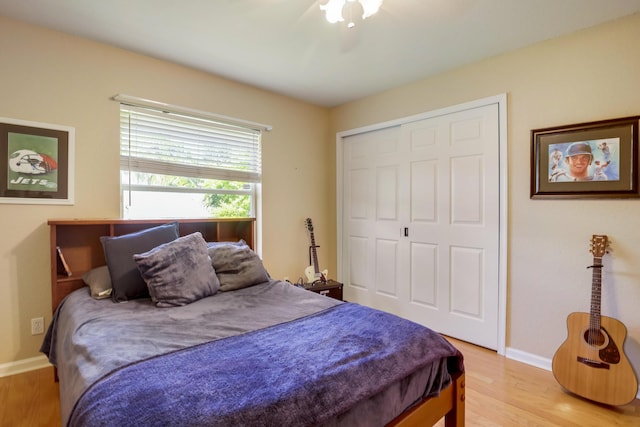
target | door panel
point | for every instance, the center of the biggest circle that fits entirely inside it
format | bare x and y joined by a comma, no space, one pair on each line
424,274
358,263
467,190
358,185
387,193
466,282
386,262
424,191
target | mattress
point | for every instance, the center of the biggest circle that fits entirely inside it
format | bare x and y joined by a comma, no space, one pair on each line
104,352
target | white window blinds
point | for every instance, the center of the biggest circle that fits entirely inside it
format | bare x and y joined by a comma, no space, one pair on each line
173,144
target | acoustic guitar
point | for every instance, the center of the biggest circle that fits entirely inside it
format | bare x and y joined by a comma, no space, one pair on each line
591,362
312,272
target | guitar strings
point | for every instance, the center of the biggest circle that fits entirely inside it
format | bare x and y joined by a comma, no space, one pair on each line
594,334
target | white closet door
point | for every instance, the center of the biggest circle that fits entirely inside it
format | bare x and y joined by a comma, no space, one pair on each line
372,214
438,181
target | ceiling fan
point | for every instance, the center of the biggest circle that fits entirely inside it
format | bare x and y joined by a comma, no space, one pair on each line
335,10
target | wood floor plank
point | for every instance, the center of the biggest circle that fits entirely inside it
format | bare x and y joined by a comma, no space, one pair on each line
503,392
499,393
31,399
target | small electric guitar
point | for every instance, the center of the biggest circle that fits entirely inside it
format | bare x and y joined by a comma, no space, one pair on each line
591,362
312,272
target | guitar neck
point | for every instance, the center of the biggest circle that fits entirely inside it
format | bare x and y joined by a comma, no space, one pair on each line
312,249
314,254
596,294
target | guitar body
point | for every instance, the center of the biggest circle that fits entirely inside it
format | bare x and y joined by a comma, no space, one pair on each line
593,365
312,276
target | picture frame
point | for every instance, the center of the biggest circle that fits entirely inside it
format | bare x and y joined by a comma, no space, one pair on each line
36,162
586,160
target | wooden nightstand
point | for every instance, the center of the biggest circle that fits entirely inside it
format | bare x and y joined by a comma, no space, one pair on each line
331,289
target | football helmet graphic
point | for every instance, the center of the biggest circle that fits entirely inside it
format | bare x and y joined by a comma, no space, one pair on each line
28,161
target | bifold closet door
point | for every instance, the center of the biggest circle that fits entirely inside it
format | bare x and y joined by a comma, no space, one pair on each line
421,222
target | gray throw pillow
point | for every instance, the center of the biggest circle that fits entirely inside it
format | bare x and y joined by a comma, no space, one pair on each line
236,266
179,272
126,280
99,282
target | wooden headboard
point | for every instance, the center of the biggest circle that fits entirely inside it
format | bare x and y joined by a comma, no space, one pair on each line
79,243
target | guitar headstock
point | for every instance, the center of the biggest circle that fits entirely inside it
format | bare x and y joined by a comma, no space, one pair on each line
599,245
309,225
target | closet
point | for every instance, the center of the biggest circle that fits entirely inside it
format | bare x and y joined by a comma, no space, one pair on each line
420,221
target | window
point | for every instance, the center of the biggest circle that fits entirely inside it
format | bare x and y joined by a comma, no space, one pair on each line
181,166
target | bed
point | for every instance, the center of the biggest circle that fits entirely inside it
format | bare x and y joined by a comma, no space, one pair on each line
246,350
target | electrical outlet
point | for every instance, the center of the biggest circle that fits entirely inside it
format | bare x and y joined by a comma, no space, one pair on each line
37,326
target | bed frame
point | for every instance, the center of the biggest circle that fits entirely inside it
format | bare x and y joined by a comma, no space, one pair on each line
450,405
75,248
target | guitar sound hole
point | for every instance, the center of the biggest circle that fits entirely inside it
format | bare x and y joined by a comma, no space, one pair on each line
594,337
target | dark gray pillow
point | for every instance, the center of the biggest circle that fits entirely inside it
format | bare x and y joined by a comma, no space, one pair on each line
236,266
126,280
179,272
99,281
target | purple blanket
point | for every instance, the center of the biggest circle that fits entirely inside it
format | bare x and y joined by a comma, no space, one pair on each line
302,372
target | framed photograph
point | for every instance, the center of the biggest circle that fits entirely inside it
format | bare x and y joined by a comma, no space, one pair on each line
36,162
586,160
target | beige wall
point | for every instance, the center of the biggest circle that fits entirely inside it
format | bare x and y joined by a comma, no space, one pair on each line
591,75
50,77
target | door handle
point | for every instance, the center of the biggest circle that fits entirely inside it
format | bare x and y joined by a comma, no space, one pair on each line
406,232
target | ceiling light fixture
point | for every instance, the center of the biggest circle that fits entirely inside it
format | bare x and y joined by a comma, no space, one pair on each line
333,9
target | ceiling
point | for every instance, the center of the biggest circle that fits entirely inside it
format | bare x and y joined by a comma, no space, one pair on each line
286,46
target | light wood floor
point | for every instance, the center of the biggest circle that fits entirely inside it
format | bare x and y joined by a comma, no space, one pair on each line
500,392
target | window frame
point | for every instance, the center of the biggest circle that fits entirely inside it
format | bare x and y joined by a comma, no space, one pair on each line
186,115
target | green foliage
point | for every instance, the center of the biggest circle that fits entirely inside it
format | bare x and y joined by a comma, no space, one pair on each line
220,205
228,205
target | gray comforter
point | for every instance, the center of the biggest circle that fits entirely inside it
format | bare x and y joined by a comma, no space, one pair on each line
93,342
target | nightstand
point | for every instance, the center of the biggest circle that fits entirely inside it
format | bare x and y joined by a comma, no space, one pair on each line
331,289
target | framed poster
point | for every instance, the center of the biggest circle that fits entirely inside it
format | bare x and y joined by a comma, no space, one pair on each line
36,162
586,160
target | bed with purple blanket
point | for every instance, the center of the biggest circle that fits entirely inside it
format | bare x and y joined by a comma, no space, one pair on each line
239,349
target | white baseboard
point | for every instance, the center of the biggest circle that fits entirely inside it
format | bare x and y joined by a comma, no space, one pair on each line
528,358
24,365
534,360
